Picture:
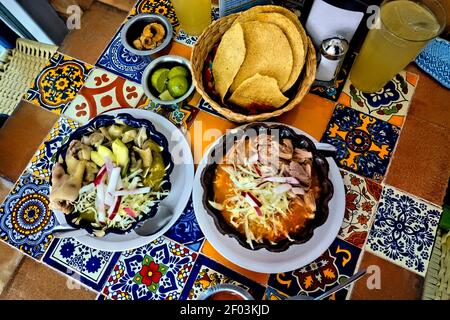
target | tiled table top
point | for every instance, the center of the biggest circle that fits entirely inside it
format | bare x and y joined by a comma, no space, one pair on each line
388,224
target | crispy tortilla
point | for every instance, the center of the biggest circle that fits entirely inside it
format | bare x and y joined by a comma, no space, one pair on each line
229,57
295,41
247,15
259,91
268,53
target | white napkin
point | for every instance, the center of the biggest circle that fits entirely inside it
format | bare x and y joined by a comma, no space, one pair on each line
325,21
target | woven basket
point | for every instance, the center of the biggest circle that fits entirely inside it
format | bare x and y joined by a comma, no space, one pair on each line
212,36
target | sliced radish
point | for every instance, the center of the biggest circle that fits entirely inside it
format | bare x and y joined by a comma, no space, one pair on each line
114,208
100,203
130,212
257,170
255,199
130,192
112,185
101,174
285,187
258,211
250,199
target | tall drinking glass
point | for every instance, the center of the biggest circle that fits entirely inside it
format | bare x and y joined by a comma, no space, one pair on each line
404,29
193,15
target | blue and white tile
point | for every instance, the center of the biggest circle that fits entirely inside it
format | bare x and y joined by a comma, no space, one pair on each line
190,41
122,62
89,266
42,162
404,230
26,220
205,106
157,271
187,230
207,273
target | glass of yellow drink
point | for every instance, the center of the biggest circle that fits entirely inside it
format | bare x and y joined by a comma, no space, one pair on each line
404,28
194,15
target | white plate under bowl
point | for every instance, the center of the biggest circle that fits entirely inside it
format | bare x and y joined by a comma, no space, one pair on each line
297,255
181,179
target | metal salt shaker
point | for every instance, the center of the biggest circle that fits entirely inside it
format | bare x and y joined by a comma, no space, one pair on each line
332,53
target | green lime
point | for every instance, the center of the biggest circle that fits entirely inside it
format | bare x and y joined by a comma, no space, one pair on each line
178,86
178,71
165,96
159,79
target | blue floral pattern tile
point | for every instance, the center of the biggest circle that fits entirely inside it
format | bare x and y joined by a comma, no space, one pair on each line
42,162
205,106
58,83
389,104
122,62
364,144
90,266
207,273
157,271
190,41
186,230
334,266
404,230
26,220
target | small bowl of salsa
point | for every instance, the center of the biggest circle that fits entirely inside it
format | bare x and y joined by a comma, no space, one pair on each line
225,292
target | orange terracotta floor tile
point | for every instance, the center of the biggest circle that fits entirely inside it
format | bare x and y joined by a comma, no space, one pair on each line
9,260
395,283
431,100
210,252
205,130
98,26
311,115
18,142
36,281
421,162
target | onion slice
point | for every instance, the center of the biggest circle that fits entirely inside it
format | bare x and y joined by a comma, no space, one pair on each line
290,180
285,187
130,192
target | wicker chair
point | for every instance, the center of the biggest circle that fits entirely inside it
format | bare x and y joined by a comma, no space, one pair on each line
437,281
25,63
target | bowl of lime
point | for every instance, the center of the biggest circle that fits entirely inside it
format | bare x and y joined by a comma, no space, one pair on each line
167,80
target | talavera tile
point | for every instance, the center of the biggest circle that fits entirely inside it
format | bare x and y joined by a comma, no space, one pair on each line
157,271
364,144
404,230
361,199
26,220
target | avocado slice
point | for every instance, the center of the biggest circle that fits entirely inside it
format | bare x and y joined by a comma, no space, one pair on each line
121,153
